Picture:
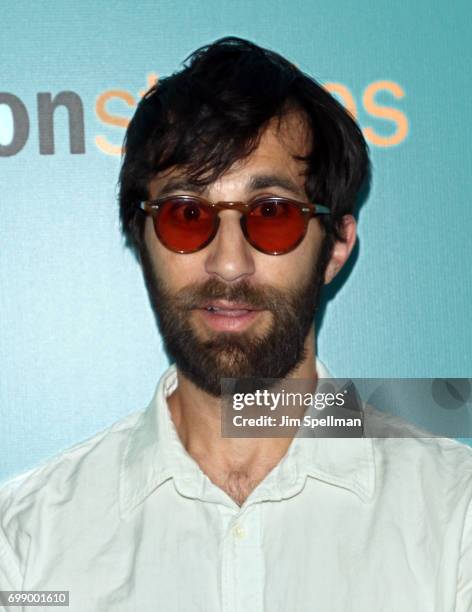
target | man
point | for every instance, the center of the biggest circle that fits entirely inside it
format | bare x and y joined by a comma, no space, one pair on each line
237,196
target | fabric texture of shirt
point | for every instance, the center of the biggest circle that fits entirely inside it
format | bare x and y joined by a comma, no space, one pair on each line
127,521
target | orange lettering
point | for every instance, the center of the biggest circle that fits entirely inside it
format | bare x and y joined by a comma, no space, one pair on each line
385,112
114,120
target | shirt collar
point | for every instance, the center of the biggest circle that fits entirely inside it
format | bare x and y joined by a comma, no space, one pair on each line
345,462
155,454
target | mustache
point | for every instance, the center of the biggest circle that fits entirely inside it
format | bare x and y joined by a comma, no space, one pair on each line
263,297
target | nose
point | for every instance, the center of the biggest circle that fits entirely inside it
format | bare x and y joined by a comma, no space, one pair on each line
230,256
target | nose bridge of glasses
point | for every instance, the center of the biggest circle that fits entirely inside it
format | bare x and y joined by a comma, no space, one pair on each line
241,207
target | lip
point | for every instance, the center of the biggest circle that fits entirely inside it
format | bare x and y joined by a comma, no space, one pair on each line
229,306
232,316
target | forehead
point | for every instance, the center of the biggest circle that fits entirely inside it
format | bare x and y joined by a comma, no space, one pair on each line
278,146
280,143
291,133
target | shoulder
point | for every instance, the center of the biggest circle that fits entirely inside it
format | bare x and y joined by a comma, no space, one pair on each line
101,450
445,457
87,470
431,475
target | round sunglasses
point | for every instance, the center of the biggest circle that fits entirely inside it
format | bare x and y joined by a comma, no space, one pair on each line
271,224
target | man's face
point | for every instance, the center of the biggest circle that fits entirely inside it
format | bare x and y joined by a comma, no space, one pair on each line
263,305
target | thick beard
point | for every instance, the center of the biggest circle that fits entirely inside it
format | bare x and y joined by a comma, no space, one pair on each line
275,354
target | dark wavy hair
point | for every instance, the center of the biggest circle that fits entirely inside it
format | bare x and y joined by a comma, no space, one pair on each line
212,113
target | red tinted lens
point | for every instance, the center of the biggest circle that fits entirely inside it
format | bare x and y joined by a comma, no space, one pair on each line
184,224
275,226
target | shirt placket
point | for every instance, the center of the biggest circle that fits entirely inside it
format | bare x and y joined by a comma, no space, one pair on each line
243,562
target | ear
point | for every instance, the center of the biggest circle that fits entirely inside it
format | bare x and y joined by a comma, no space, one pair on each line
341,250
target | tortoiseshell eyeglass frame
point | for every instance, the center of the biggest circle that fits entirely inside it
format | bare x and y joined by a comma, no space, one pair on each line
307,209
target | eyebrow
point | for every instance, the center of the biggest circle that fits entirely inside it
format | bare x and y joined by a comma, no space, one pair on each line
256,182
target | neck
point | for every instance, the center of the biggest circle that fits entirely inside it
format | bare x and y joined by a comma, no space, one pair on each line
235,464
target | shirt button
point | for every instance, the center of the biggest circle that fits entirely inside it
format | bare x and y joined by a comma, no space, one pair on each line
239,532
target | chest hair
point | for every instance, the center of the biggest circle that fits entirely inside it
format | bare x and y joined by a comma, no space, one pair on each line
238,484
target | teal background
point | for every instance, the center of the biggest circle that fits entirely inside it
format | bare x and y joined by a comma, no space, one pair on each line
78,343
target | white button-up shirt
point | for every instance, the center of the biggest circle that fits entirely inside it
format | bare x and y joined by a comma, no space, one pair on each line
127,521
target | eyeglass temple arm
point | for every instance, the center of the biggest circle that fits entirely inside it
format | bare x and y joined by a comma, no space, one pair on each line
319,209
